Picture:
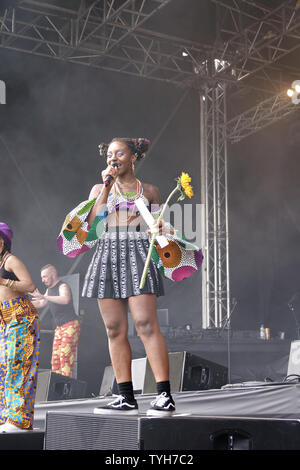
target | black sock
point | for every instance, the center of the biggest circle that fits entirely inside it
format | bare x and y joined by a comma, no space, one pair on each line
126,389
163,387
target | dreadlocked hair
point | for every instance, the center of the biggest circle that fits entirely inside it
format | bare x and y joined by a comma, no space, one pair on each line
138,146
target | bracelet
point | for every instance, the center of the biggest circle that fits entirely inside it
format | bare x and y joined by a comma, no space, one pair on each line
9,283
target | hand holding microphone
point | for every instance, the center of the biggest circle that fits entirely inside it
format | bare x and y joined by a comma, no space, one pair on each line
109,174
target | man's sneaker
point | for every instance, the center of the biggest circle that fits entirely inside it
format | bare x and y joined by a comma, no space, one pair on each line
163,405
119,405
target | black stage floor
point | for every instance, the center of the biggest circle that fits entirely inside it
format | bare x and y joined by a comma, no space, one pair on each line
252,399
247,416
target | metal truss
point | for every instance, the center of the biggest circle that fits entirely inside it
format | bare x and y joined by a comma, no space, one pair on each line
249,46
252,38
264,114
85,35
109,34
214,188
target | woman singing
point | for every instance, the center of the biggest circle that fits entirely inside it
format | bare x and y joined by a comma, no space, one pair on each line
110,220
19,340
115,271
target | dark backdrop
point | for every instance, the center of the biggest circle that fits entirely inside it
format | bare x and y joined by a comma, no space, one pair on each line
56,115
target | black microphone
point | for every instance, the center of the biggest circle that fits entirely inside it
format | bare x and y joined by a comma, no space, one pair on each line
109,178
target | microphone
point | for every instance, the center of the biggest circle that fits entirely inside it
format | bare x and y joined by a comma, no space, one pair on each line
109,178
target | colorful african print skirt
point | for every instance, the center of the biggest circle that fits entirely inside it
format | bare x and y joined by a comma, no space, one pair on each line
117,266
19,360
65,342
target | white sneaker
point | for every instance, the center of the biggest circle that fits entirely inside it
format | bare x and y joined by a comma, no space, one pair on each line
119,405
163,405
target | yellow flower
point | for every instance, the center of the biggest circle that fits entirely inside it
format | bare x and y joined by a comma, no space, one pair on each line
184,181
189,191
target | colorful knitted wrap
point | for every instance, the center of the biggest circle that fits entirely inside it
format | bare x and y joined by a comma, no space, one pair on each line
178,260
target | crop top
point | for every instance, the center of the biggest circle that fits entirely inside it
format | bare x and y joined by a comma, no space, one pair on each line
7,274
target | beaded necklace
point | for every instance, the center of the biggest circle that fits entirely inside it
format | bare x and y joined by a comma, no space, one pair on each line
139,191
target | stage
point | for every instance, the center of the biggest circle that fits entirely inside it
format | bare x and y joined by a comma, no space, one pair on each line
246,416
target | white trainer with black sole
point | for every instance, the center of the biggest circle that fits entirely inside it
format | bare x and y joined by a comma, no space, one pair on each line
119,405
163,405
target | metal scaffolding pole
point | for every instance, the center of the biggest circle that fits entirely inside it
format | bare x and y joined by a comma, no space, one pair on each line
214,194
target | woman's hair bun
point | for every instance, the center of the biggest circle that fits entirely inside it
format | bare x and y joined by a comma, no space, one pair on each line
137,146
103,149
141,147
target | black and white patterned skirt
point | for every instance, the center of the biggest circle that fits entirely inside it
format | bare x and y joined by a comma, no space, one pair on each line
117,266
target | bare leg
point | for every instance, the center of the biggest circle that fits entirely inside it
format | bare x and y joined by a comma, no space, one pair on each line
114,314
143,310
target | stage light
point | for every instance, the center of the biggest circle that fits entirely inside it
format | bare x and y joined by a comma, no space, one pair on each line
297,88
184,54
294,92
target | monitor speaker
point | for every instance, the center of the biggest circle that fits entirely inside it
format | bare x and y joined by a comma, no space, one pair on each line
219,433
187,372
55,387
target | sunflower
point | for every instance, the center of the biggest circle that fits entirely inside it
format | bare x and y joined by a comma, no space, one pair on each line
185,179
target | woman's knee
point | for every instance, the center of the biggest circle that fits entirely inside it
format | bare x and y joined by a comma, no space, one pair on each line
116,330
146,327
114,315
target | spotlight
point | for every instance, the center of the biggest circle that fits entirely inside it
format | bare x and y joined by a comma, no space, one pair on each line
294,92
184,54
297,88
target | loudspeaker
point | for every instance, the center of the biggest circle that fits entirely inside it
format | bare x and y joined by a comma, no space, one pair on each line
53,387
219,433
87,431
187,372
294,359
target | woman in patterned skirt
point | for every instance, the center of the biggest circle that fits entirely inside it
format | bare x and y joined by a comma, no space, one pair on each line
19,341
115,271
